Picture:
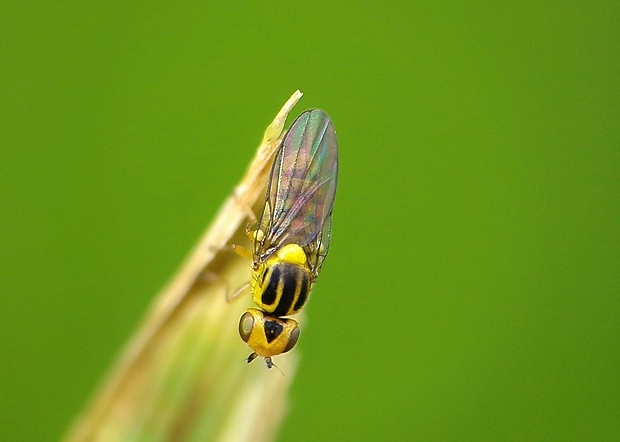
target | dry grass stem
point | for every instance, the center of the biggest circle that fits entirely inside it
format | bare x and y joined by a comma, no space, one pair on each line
183,376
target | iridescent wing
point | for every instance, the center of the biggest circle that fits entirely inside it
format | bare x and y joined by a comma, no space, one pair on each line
301,190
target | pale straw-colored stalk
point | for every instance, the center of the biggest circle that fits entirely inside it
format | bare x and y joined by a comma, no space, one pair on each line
183,375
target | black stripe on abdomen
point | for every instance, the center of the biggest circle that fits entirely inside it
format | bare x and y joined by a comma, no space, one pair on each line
288,287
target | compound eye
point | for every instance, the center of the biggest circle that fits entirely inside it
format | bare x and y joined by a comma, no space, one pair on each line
246,325
292,339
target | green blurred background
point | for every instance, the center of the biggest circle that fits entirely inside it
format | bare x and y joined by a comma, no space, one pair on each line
473,286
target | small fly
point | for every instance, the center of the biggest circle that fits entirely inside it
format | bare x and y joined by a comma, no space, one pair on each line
293,234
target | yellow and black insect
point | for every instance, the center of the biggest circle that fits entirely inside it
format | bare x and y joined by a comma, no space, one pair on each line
293,234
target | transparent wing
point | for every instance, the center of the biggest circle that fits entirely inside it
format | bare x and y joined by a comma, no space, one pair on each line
301,190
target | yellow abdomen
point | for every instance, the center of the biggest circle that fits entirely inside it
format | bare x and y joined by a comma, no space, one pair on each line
281,285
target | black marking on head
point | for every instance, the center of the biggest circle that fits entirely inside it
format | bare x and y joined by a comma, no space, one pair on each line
273,329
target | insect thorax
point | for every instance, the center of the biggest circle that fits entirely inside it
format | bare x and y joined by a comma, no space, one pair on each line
281,288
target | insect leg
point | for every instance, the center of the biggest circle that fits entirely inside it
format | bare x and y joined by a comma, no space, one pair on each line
232,297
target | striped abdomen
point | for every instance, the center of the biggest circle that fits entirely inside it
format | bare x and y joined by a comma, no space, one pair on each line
283,289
